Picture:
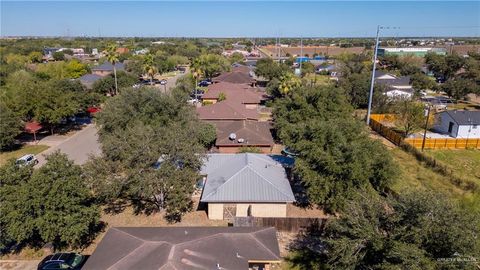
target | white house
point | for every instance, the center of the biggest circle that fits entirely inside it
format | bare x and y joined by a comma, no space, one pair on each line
459,124
395,87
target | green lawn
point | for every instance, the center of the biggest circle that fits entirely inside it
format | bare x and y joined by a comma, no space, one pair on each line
464,163
26,149
415,176
320,79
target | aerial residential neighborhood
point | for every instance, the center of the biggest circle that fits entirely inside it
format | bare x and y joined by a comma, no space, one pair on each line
251,135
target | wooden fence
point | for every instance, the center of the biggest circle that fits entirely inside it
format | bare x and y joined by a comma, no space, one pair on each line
377,120
288,224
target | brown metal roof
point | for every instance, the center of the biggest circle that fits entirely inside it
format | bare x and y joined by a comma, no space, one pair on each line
227,110
253,132
234,77
239,92
184,248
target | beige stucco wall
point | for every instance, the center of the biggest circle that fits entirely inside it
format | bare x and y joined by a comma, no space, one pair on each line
215,210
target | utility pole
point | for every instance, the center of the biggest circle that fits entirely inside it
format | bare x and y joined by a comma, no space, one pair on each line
301,55
373,77
426,126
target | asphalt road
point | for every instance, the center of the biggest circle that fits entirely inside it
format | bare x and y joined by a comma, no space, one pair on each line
78,147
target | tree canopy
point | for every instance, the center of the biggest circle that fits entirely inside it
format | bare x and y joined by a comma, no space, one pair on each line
336,156
414,231
51,204
152,146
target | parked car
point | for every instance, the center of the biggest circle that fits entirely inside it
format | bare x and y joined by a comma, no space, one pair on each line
26,160
205,83
71,261
193,101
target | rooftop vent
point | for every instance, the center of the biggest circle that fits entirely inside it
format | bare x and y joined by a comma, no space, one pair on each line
241,140
232,136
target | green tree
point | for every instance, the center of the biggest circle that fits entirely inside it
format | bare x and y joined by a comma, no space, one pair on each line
409,116
10,126
222,96
460,88
149,67
48,205
52,104
75,69
106,85
270,69
211,64
58,56
35,57
307,68
336,156
416,231
288,82
112,57
153,146
236,57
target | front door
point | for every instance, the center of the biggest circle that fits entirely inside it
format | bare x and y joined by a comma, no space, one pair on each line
450,127
229,211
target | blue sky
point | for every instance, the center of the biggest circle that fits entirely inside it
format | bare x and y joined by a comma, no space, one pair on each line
239,19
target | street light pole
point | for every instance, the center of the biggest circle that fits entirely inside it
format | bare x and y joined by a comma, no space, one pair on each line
373,77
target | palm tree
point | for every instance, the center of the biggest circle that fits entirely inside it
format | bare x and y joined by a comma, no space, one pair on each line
112,57
197,73
149,67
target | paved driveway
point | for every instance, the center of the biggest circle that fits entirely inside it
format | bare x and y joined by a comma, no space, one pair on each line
78,147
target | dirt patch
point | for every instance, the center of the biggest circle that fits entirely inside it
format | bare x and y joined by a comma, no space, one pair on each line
305,212
18,265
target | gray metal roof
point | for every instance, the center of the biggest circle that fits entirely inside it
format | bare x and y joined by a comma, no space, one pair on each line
184,248
90,78
465,117
107,66
245,178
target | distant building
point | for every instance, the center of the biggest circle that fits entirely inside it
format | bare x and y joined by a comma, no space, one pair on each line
89,79
416,51
106,68
395,86
122,50
458,124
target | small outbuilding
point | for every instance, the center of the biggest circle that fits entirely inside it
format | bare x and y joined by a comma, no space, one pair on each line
240,185
458,123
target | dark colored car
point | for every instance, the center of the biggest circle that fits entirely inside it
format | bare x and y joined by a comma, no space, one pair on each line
71,261
204,83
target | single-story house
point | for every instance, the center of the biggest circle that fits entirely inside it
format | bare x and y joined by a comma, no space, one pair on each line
234,92
186,248
395,86
232,136
227,110
239,77
106,68
240,185
89,79
458,123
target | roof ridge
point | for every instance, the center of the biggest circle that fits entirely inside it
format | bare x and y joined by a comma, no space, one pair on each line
265,179
229,179
258,241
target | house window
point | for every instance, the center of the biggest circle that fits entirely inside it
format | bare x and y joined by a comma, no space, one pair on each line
475,126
